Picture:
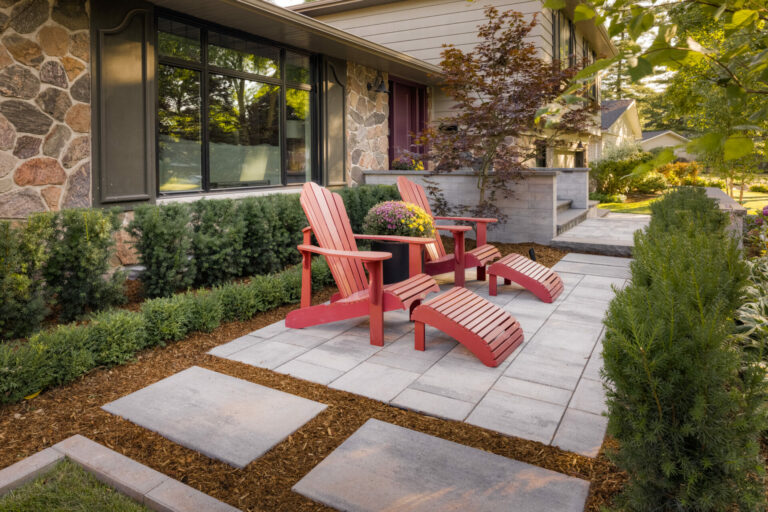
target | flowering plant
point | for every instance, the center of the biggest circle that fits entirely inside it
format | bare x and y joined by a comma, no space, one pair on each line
757,233
398,218
405,163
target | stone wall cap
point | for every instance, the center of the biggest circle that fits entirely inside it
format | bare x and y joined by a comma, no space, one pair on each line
726,202
538,172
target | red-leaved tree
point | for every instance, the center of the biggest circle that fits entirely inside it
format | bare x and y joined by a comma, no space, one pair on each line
499,88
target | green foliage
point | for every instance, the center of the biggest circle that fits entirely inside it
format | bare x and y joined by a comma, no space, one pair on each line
760,188
60,355
164,245
607,198
618,175
685,406
649,183
212,242
79,247
217,241
22,297
752,316
684,206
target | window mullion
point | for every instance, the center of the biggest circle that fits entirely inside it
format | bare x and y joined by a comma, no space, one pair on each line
205,121
283,123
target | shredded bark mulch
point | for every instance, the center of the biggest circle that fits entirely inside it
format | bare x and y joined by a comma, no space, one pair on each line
266,483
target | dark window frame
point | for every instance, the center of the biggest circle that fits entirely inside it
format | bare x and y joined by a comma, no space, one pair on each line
206,70
541,153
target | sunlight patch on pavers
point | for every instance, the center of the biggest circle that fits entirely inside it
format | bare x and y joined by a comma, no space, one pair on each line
386,467
222,417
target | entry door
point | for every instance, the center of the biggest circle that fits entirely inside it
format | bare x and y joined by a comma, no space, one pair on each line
407,116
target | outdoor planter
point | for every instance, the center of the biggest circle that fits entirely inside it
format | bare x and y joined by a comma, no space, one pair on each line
395,268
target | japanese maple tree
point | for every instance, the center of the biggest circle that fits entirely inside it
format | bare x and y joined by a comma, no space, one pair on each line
500,88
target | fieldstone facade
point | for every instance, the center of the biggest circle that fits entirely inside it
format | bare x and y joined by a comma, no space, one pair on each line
367,122
45,112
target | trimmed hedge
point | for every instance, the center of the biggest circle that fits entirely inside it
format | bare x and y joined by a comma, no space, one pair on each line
685,403
213,241
60,355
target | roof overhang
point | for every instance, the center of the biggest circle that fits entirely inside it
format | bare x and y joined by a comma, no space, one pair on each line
681,138
597,35
270,21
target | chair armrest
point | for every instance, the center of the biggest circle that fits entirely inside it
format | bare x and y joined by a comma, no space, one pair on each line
403,239
360,255
484,220
454,229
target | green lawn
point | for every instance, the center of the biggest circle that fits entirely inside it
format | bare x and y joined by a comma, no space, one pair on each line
632,205
67,488
755,201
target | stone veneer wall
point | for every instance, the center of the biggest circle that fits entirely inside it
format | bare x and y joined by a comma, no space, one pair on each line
367,122
45,113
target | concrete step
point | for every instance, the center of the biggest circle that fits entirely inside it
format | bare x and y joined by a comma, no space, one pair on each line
570,218
563,205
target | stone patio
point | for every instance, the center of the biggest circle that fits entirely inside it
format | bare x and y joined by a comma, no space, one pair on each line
219,416
612,234
386,467
548,390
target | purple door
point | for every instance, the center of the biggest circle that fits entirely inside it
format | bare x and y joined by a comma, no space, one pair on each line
407,116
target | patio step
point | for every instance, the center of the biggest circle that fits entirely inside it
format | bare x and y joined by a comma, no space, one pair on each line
563,205
570,218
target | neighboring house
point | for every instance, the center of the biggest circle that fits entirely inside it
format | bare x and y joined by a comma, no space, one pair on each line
420,28
620,123
666,139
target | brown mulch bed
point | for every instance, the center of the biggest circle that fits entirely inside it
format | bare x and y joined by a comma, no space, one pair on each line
266,483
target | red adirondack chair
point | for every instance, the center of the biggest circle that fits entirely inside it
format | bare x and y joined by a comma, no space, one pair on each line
540,280
358,295
487,330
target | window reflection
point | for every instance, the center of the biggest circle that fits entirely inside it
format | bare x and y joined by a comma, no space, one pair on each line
178,40
244,132
231,52
179,141
297,68
298,133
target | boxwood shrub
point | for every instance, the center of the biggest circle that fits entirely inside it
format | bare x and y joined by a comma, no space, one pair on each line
60,355
686,404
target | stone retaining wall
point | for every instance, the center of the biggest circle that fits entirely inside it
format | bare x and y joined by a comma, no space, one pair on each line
573,184
45,113
531,213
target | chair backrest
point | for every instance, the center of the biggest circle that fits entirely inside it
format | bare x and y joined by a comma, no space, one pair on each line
413,193
330,224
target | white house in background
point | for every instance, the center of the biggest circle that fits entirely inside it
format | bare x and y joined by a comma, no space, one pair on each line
620,123
666,139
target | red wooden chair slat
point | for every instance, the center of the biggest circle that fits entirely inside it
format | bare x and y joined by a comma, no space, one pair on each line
527,273
458,312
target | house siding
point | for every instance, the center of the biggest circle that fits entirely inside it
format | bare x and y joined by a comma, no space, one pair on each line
45,112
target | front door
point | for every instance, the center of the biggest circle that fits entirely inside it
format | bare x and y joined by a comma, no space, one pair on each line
407,116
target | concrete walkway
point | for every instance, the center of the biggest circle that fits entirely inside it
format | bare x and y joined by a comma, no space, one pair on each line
548,390
611,235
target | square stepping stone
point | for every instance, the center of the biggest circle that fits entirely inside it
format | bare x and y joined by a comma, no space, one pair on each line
386,467
222,417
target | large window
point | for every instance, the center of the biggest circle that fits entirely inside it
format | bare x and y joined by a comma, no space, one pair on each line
233,112
563,39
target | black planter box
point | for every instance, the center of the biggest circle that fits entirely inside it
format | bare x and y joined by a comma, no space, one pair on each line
395,268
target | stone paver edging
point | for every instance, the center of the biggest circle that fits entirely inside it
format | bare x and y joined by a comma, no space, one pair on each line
141,483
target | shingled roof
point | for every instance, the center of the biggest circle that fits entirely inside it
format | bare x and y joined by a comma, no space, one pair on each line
611,111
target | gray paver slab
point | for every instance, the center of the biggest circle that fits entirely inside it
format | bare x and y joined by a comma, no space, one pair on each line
544,370
581,432
267,354
375,381
386,467
28,469
124,474
220,416
174,496
341,353
455,377
597,259
401,354
517,416
433,405
589,397
236,345
310,372
299,338
270,330
533,390
590,269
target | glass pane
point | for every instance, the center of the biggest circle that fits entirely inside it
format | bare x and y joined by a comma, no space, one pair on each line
298,136
176,39
179,143
244,128
241,55
297,67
